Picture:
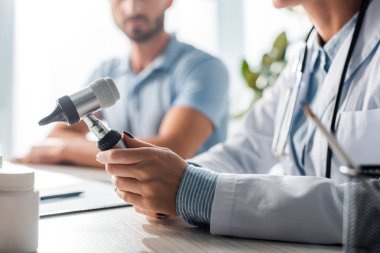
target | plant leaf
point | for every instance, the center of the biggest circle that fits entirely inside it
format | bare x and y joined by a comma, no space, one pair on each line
279,47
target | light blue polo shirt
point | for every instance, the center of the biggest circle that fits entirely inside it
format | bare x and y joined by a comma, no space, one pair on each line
182,76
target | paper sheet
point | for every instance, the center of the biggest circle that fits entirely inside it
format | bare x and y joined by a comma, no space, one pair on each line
96,194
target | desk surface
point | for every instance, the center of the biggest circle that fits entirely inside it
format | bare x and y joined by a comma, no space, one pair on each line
123,230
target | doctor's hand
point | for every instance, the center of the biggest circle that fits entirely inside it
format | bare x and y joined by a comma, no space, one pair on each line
145,175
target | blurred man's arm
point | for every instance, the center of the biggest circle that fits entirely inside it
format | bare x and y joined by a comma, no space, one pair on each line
76,149
78,130
199,109
64,145
183,130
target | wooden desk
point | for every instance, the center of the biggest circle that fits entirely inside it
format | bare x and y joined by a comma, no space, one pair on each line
123,230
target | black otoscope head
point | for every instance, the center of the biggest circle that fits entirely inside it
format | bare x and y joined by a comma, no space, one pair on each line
65,111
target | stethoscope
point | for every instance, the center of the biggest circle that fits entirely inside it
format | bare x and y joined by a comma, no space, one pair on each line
282,131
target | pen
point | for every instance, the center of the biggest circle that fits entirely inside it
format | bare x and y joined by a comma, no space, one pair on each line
61,195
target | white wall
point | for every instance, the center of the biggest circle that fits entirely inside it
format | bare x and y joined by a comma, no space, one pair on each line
195,22
6,75
262,23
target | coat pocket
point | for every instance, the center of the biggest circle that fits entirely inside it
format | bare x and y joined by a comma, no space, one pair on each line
359,134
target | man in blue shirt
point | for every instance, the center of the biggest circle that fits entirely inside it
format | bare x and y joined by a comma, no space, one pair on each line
172,94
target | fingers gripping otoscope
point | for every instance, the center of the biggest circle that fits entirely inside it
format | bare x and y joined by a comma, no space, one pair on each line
100,94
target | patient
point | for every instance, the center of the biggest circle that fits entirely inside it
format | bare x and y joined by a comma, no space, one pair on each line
172,94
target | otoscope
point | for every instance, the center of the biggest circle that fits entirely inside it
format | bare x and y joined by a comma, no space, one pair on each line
100,94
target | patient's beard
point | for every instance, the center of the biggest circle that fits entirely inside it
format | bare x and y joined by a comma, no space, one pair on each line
139,36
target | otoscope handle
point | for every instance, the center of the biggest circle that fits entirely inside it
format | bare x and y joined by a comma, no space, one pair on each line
111,140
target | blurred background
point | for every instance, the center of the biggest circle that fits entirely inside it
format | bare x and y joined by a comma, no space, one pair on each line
48,48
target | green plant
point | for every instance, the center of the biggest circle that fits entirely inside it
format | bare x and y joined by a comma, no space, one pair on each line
263,76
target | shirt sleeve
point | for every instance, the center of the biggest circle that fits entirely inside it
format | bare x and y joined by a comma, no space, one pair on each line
203,85
195,195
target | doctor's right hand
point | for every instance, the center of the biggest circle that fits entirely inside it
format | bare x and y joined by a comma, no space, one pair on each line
145,175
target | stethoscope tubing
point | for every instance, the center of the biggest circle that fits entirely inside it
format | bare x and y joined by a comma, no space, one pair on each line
355,37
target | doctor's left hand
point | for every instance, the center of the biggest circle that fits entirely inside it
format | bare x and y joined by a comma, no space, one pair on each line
145,175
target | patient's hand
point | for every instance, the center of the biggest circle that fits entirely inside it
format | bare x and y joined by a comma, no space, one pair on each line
50,152
78,151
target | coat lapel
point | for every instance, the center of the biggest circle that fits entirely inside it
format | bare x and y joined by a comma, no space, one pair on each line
369,38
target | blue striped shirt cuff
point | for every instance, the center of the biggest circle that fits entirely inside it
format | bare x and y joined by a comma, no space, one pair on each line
196,194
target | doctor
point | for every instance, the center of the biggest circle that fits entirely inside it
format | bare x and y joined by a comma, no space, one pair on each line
228,189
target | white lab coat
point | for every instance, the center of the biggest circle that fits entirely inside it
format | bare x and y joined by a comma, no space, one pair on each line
309,208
